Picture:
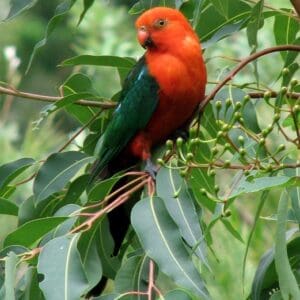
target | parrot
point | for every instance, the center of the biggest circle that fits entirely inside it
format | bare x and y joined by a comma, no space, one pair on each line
160,93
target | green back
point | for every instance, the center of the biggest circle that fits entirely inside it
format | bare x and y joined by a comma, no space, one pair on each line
138,101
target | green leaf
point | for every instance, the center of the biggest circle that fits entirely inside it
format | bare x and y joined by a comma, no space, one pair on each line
91,260
198,180
29,233
19,6
75,190
31,289
69,211
11,170
143,5
133,276
8,208
262,183
16,249
180,205
211,21
197,13
179,294
256,22
87,5
266,279
10,276
56,172
222,7
162,242
80,83
232,230
63,272
105,246
260,206
103,188
287,281
285,31
60,12
104,60
29,211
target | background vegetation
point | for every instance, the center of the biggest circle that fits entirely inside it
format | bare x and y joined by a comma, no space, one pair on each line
237,181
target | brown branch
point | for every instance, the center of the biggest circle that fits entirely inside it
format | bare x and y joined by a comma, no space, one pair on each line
86,225
296,4
53,99
256,95
242,64
241,167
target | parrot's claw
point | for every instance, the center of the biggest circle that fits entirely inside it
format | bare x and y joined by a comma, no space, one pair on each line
151,168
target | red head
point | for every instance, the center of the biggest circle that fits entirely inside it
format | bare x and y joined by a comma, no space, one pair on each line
163,28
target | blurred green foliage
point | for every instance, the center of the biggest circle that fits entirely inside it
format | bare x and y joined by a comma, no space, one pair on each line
107,29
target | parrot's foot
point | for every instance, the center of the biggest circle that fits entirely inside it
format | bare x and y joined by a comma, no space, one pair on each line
151,168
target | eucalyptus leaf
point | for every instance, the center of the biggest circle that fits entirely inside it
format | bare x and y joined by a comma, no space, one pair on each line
56,172
162,242
10,276
11,170
180,205
29,233
19,6
105,61
8,208
287,281
133,276
61,11
61,266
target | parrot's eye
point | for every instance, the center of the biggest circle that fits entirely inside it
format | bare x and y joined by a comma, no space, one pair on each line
160,23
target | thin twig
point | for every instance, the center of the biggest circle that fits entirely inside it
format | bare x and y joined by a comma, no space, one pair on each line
256,95
240,166
114,204
53,99
242,64
80,131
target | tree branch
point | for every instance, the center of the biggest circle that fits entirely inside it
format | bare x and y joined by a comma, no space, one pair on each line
296,4
257,95
241,65
53,99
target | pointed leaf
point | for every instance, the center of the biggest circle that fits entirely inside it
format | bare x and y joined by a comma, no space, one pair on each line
19,6
133,276
287,281
60,12
10,276
56,172
8,208
105,60
256,22
263,183
87,5
11,170
105,246
61,266
161,240
285,31
29,233
179,202
91,260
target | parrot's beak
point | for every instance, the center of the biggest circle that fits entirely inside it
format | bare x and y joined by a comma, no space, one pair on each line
144,38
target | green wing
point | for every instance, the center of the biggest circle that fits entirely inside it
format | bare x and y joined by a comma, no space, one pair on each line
138,101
